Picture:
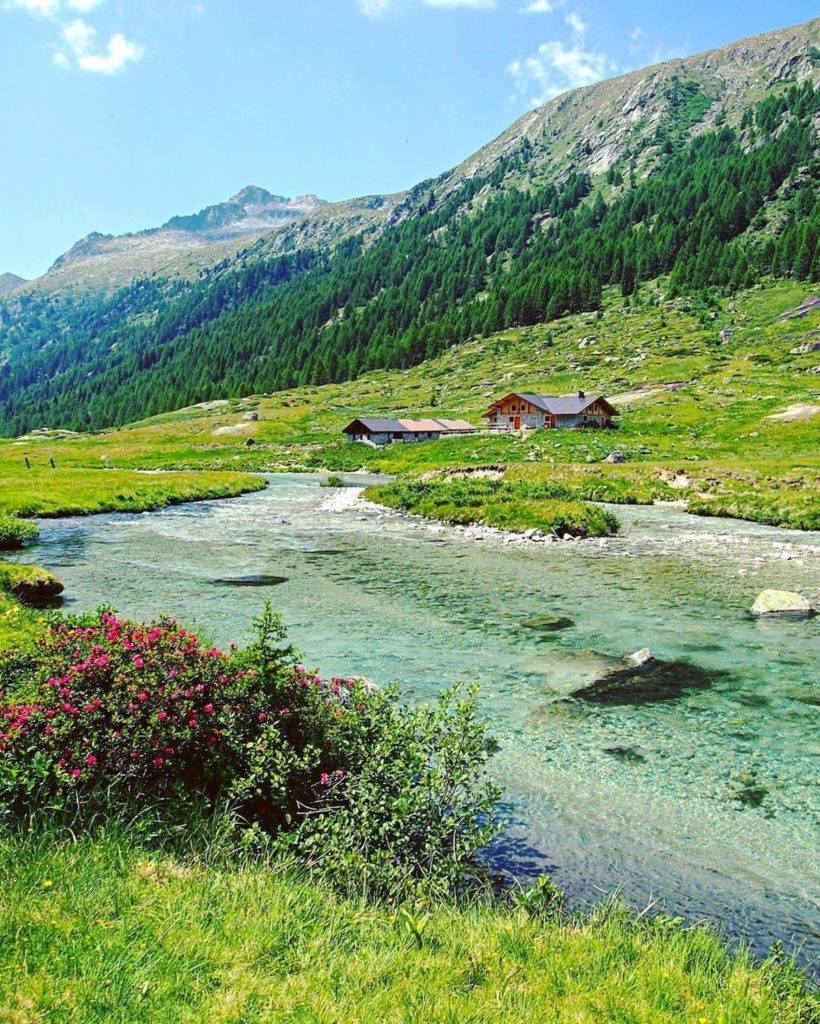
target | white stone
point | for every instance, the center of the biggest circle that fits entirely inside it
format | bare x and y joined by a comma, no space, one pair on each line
781,602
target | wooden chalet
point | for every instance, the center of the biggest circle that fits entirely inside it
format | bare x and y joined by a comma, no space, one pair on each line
520,409
387,431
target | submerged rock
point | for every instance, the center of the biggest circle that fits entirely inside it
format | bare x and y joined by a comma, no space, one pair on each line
782,602
549,623
650,682
254,580
629,755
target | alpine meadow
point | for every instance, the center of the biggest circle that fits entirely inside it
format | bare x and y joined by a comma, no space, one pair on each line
408,603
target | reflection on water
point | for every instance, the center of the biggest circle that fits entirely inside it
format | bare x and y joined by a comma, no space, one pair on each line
708,801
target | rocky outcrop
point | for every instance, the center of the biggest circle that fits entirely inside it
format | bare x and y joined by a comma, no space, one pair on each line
782,602
31,584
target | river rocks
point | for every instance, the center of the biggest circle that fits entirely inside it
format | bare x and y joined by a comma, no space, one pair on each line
549,623
640,659
650,682
782,602
628,755
253,580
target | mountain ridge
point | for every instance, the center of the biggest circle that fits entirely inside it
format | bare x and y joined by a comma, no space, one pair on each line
202,238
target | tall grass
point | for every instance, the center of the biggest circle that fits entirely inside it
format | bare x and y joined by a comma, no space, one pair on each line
113,927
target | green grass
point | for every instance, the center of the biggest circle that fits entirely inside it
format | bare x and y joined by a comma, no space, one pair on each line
79,490
19,625
716,425
104,928
15,533
509,503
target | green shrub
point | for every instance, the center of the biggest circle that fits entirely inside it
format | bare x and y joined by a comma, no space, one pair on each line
14,533
339,775
334,480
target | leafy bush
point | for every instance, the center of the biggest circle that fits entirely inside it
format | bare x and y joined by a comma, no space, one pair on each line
14,533
336,773
334,480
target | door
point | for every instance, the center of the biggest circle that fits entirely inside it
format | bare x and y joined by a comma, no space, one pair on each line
516,423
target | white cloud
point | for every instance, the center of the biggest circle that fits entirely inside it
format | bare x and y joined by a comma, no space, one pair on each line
556,67
77,35
576,23
46,8
119,52
76,48
540,6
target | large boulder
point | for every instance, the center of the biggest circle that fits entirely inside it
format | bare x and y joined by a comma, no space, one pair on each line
782,602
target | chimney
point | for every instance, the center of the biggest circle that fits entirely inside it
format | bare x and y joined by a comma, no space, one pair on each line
581,394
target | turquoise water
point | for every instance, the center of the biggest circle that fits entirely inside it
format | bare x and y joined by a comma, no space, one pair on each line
707,803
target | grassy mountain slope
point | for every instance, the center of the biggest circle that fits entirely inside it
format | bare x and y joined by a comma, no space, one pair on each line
728,428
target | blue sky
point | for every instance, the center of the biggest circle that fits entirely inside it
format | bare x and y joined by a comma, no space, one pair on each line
118,114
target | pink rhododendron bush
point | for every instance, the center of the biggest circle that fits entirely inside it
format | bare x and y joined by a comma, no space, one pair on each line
337,773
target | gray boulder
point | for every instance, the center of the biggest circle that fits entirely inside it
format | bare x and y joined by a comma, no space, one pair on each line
615,457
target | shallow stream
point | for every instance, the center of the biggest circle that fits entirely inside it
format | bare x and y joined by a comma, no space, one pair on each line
707,802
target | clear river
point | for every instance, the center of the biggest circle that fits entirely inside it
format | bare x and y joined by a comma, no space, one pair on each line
705,804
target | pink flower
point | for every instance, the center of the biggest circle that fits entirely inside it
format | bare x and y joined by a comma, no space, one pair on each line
75,773
162,715
142,696
91,760
48,730
208,709
138,662
324,778
158,761
262,716
192,723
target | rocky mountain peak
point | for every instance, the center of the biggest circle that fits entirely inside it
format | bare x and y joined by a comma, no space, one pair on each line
8,282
